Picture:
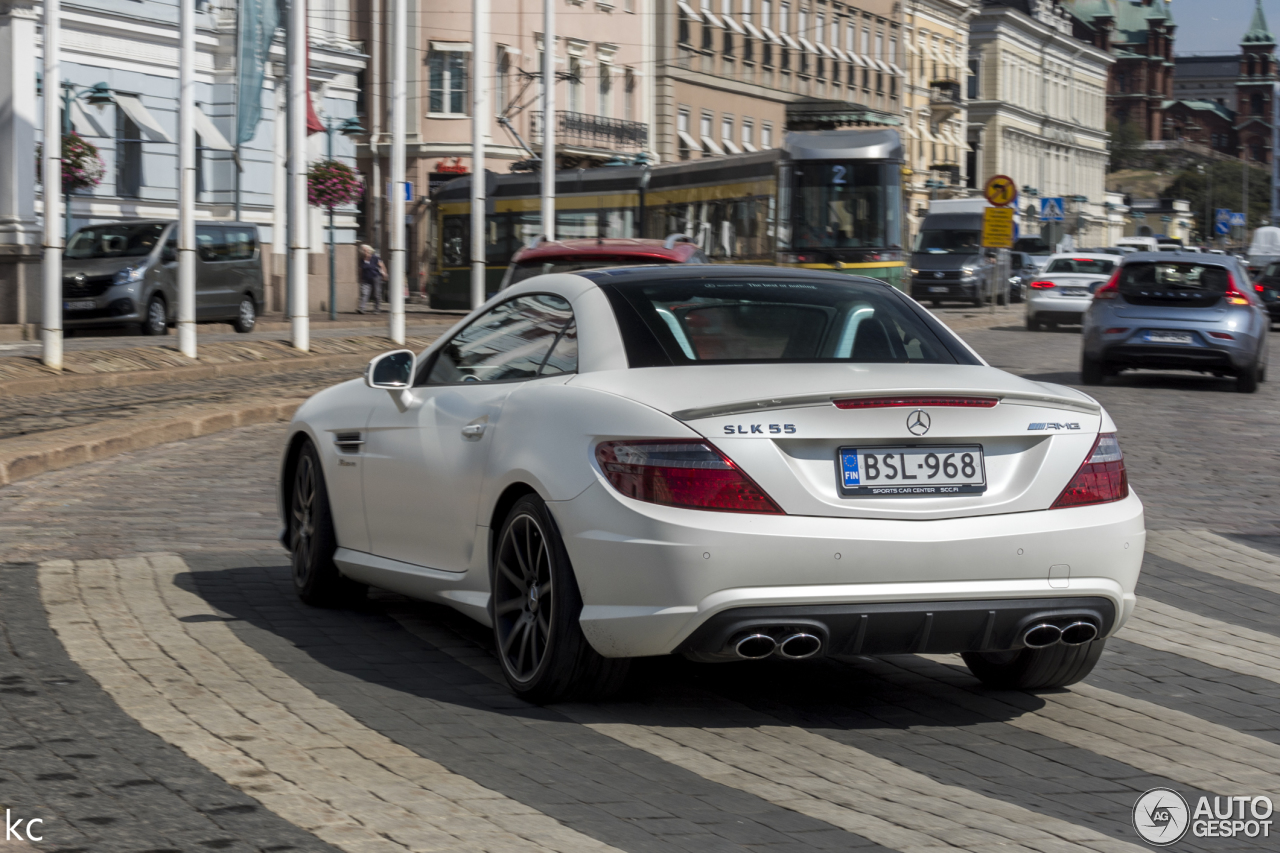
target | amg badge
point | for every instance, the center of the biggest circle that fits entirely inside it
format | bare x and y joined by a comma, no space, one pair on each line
1052,426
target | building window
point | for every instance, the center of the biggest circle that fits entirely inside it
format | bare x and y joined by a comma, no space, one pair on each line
974,91
784,17
748,134
704,129
707,37
682,128
575,84
502,70
629,95
128,156
766,13
447,94
682,36
728,43
766,54
606,90
726,131
748,50
766,135
1256,104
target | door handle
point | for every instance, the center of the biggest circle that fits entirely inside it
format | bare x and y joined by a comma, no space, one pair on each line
473,431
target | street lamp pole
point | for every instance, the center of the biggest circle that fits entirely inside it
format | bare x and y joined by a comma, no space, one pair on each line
51,167
347,127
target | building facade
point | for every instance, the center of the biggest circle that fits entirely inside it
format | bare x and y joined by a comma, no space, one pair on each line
1039,112
130,47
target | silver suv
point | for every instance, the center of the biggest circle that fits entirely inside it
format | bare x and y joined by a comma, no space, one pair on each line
126,273
1177,311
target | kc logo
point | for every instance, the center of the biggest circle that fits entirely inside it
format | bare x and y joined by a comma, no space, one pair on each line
918,422
13,828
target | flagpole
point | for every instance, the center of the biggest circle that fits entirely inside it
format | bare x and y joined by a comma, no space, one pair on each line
299,232
186,179
479,125
399,93
51,167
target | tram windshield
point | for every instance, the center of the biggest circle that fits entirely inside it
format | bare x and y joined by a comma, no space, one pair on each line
846,205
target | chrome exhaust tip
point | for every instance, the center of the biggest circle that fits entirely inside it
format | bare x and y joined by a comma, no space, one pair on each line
1079,633
755,646
800,646
1041,636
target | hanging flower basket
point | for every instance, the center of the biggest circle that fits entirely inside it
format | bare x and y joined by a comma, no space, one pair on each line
82,166
332,183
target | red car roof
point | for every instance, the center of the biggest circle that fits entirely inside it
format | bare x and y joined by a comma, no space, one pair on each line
643,251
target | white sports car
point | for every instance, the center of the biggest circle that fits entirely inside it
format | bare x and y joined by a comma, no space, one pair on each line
725,463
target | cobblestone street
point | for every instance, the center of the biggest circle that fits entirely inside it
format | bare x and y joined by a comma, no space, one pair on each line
162,689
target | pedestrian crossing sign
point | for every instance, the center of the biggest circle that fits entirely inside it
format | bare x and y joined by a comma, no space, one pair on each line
1051,210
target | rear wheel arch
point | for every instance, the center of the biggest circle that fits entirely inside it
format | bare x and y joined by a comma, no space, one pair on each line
502,508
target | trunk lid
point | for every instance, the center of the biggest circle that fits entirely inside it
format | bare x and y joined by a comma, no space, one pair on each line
779,423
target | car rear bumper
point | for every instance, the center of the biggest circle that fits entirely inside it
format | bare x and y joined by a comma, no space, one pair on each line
651,577
1056,309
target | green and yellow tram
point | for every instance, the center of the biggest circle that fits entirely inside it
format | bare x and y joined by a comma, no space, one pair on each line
825,200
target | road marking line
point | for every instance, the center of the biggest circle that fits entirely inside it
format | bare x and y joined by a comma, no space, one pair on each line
1217,555
198,686
811,774
1212,641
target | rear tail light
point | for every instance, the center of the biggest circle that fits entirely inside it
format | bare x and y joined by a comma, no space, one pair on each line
1234,295
1118,330
1111,289
1042,285
1261,288
916,402
1101,479
683,473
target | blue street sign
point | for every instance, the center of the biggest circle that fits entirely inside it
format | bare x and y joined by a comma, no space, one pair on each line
1051,210
408,190
1221,221
1237,219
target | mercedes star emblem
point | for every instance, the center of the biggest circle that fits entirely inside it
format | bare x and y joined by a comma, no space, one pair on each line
918,422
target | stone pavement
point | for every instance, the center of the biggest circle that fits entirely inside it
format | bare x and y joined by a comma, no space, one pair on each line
161,688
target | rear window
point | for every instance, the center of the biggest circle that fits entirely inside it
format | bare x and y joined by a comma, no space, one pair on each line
1173,282
1085,266
528,269
764,320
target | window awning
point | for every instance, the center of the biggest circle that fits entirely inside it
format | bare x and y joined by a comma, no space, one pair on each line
85,123
711,18
881,65
711,146
730,147
792,43
857,60
148,127
826,50
452,46
751,28
897,72
734,25
773,37
688,10
808,45
689,141
751,149
210,136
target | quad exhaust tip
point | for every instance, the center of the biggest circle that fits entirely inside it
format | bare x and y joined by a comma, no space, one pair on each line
755,646
1079,633
1041,636
794,646
799,646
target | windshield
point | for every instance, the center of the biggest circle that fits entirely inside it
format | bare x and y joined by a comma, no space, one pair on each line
114,241
528,269
1084,266
846,205
949,242
764,319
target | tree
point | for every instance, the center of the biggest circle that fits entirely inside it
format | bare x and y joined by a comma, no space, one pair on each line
1126,144
1219,185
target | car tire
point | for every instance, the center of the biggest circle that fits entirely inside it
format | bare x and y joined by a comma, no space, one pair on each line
1033,325
156,320
313,540
1035,669
1247,381
534,606
936,303
246,315
1092,371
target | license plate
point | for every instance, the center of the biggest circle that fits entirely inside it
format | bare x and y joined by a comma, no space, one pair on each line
921,471
1075,291
939,289
1168,337
81,305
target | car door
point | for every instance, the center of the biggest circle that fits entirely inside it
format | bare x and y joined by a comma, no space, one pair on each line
211,272
424,465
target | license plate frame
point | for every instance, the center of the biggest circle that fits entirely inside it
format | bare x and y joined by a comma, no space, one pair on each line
1161,336
939,290
1076,292
896,487
79,305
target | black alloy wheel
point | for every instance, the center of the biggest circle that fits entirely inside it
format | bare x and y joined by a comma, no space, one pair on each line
156,320
535,606
312,539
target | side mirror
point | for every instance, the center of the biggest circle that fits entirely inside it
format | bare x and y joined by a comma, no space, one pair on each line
168,255
392,372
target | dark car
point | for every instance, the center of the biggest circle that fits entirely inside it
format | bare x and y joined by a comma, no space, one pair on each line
1267,286
1177,311
547,256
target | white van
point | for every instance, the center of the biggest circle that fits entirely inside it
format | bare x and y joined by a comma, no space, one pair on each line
1142,244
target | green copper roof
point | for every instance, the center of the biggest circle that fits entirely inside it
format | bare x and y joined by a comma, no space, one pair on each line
1258,32
1133,18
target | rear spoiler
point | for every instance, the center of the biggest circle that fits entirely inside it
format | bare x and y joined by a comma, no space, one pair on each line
1047,401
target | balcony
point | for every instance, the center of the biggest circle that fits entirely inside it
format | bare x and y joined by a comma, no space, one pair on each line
944,99
582,133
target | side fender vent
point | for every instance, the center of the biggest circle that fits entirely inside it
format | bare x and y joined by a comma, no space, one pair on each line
348,442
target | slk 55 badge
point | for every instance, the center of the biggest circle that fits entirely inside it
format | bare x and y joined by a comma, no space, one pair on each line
758,429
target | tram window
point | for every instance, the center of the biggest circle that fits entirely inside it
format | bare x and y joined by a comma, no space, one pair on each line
843,205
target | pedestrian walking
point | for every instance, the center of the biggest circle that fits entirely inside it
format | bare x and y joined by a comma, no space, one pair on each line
373,277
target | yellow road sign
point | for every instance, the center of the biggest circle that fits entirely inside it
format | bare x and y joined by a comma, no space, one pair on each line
997,228
1000,190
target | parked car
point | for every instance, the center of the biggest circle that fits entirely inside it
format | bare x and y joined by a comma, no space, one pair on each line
726,463
1267,286
126,273
1022,269
1060,293
547,256
1174,311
